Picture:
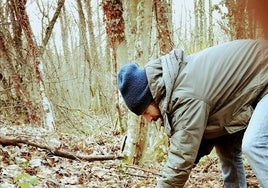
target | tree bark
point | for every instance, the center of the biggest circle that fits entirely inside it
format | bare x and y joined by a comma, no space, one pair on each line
164,29
259,13
64,24
238,19
50,26
20,88
115,27
37,64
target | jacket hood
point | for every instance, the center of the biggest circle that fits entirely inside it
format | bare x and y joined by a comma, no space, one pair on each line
162,74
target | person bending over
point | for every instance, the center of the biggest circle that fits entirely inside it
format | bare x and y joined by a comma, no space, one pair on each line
206,100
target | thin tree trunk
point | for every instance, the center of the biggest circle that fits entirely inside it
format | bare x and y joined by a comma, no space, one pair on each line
238,19
83,32
164,30
115,26
64,34
130,16
210,26
142,50
20,88
50,26
37,64
47,106
259,13
96,64
22,92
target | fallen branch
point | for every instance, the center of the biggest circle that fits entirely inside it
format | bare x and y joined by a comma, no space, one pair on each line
138,175
18,140
210,163
144,170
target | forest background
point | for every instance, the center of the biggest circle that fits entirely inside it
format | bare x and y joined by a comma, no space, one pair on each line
59,61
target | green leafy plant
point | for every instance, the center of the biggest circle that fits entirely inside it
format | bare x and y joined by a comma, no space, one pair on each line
25,180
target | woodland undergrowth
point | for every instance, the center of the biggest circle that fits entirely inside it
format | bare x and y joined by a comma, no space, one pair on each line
23,165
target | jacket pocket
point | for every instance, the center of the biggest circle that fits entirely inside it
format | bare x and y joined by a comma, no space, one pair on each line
215,126
240,119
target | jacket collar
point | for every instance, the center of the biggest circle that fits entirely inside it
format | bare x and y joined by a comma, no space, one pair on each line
162,74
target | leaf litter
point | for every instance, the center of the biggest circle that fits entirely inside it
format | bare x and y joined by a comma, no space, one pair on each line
27,166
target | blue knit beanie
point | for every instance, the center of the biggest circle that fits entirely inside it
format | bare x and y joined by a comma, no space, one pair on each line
133,85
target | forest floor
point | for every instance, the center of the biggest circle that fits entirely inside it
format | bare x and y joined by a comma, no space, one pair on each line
23,165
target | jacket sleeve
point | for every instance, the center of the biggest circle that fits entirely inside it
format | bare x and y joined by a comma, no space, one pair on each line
187,123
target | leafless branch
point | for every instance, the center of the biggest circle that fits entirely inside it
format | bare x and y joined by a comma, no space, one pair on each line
17,140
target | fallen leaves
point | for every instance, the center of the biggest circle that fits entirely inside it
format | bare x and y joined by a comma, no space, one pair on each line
28,166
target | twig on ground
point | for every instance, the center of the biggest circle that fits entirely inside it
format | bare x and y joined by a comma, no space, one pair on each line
17,140
138,175
211,162
144,170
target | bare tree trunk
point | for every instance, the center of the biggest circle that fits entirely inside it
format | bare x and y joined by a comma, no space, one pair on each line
196,25
258,14
17,13
203,28
8,63
83,32
202,24
92,38
142,51
97,80
51,26
64,23
164,29
210,26
20,88
114,26
130,16
35,53
238,19
47,107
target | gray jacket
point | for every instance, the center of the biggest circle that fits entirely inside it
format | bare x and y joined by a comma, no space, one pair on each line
205,95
